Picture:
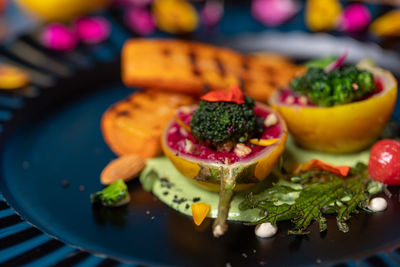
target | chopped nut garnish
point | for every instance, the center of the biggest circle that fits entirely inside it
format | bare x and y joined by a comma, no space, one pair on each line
289,100
355,86
242,150
172,130
270,120
303,100
188,146
226,161
186,109
226,147
183,132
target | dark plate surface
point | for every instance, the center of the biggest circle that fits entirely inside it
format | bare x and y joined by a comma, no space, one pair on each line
58,139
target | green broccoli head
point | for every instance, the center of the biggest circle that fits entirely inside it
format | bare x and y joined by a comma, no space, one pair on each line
115,194
223,124
340,86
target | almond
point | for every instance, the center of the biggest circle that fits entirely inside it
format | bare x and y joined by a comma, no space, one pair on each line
125,168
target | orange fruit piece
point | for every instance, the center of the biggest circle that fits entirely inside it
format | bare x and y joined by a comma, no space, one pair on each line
61,10
316,164
12,77
344,128
199,212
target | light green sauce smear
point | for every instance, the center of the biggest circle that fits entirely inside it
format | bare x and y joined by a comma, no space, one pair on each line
181,188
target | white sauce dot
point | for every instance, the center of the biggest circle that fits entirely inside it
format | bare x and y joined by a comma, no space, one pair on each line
377,204
265,230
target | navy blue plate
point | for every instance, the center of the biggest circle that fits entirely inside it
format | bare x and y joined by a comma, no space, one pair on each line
53,153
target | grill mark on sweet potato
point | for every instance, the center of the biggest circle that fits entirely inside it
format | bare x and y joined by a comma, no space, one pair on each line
135,104
273,83
245,64
242,84
193,61
123,113
166,52
206,88
220,66
270,71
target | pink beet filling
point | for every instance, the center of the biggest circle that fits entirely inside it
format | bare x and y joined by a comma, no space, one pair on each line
176,140
285,94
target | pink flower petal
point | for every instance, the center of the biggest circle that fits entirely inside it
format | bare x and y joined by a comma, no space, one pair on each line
273,12
212,12
92,29
140,20
59,37
354,18
140,2
338,62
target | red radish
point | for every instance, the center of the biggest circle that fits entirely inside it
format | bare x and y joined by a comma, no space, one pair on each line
384,162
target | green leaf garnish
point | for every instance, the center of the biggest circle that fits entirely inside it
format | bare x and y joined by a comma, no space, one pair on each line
308,197
320,62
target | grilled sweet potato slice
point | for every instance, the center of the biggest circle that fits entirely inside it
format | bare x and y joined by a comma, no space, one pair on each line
134,125
190,67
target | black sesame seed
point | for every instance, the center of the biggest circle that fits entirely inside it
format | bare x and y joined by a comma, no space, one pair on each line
187,206
196,199
65,183
179,200
165,193
164,179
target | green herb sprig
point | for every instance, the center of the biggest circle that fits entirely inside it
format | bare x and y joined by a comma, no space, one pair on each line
337,87
308,197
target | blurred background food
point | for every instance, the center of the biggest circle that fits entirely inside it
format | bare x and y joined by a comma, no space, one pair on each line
66,25
371,18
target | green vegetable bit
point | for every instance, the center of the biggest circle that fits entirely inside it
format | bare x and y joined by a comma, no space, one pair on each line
307,197
321,62
115,194
148,180
224,124
337,87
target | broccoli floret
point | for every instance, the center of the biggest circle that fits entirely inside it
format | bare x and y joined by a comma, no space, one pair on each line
113,195
337,87
223,124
